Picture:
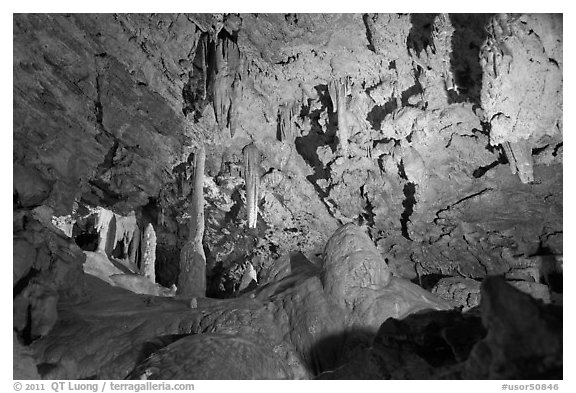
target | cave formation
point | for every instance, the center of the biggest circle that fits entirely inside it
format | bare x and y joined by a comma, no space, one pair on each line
287,196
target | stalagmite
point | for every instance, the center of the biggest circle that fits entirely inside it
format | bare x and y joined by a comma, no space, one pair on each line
252,179
192,278
134,247
356,276
248,276
338,91
147,266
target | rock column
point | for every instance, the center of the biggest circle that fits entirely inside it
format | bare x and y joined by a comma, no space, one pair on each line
192,278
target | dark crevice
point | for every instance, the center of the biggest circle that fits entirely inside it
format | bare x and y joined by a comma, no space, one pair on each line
109,157
234,212
408,204
401,171
420,35
365,19
369,214
469,35
428,281
24,281
307,145
379,113
98,105
458,202
108,197
558,147
87,241
412,91
481,171
539,150
471,196
289,60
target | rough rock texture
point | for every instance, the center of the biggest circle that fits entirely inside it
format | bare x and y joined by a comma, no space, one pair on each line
462,292
117,329
47,269
292,327
438,134
214,356
356,277
352,264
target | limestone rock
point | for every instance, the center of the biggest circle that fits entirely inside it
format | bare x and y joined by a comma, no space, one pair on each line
214,356
352,264
462,292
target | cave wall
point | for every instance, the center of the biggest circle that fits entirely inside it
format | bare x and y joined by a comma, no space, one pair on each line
454,158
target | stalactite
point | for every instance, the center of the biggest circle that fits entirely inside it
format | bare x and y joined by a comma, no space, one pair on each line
286,113
519,156
192,278
147,267
252,179
442,39
103,219
235,105
204,51
338,90
226,82
220,85
125,228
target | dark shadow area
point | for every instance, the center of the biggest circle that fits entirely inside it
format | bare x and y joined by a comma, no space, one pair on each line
469,35
167,265
413,90
481,171
428,281
379,112
408,204
439,339
420,35
370,45
307,145
24,281
87,241
46,368
213,276
148,348
150,212
336,350
551,268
